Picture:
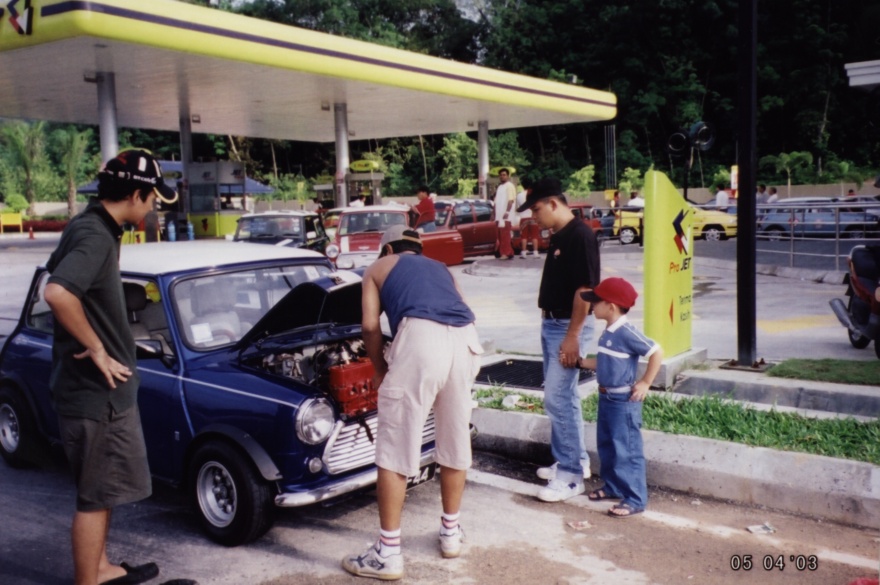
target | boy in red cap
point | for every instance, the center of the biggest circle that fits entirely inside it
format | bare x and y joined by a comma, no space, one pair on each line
618,427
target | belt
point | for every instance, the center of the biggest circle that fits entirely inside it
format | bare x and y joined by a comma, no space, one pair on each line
556,314
615,390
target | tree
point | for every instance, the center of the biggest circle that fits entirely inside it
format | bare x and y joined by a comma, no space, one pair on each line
72,145
788,163
580,183
844,171
25,147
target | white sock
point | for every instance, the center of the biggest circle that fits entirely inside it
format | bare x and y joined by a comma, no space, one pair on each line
449,523
389,542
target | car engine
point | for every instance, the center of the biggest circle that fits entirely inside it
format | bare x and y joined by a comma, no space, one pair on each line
341,370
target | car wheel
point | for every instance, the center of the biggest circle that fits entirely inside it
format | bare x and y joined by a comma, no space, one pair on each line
234,503
856,340
774,234
854,233
713,233
627,235
19,440
601,236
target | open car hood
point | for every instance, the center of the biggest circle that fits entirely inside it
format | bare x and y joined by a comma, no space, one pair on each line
335,298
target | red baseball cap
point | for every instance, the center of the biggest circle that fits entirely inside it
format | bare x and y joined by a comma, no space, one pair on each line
614,290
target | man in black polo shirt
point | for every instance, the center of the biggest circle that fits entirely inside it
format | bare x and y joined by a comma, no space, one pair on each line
94,378
571,267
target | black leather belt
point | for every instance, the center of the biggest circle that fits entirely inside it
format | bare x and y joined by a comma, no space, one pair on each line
556,314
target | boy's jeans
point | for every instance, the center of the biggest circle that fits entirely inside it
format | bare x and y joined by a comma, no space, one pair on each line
621,456
561,400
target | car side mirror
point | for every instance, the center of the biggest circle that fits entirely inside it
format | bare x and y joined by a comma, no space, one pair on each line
148,348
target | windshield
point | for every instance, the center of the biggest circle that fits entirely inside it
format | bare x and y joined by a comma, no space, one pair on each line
218,309
271,227
369,221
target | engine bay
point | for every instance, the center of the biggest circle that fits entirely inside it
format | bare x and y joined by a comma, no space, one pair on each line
340,369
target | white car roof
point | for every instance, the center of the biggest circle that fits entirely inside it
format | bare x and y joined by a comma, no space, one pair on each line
168,257
368,208
280,213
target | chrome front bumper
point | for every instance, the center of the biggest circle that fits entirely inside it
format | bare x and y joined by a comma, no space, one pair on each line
344,486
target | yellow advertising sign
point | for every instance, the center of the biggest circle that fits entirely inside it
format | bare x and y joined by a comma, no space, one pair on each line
669,265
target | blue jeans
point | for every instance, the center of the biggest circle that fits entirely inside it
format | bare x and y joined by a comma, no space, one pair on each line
561,400
621,454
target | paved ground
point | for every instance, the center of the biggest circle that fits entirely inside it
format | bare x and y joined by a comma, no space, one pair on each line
514,538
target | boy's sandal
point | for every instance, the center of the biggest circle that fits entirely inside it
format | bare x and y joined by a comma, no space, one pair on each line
600,494
623,507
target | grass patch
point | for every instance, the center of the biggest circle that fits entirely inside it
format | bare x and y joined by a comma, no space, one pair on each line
712,417
828,370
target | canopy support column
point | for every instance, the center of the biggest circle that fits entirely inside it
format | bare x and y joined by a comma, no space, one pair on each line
109,131
186,155
483,157
340,118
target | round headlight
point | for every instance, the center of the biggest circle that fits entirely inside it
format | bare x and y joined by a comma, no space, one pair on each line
314,421
332,251
345,263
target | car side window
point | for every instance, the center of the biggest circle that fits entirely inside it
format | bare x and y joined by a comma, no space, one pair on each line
484,211
463,214
39,316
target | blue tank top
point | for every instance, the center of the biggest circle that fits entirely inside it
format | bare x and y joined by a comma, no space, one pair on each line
422,288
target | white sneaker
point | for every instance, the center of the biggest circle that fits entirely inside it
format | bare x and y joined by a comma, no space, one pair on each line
371,564
522,255
450,545
557,491
550,472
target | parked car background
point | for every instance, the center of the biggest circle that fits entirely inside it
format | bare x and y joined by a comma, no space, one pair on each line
708,224
360,229
473,219
255,390
297,229
816,217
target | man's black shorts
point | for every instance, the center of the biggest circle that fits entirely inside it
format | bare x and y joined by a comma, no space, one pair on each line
108,459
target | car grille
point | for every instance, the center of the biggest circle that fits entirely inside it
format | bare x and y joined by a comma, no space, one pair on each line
352,446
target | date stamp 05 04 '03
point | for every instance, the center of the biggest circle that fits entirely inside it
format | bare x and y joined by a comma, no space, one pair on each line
774,562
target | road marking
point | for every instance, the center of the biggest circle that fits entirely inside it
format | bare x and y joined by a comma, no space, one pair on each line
796,323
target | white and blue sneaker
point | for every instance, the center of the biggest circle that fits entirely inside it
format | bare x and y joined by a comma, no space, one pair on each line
550,472
373,565
557,490
450,544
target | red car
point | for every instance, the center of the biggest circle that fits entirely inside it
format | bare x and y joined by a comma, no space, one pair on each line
581,210
473,219
360,229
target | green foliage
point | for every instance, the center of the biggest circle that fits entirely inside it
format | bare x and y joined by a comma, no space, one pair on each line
459,156
632,181
829,370
466,188
721,419
291,187
16,203
581,182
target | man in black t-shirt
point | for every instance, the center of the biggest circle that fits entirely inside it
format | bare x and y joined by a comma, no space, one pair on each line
571,267
94,378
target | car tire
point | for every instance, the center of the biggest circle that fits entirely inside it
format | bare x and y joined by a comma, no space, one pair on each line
713,233
856,340
628,235
774,234
234,503
855,233
20,443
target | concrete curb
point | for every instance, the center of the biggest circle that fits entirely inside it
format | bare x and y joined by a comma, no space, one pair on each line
846,399
833,489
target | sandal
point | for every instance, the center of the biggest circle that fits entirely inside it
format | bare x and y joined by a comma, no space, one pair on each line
630,511
600,494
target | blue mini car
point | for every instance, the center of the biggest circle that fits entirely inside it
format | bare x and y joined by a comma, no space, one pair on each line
255,388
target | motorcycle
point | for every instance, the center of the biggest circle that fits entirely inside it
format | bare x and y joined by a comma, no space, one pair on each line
861,313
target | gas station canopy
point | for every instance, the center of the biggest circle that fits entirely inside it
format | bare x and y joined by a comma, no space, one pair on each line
231,74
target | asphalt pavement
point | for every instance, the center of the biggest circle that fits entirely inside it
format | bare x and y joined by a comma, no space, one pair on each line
793,320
